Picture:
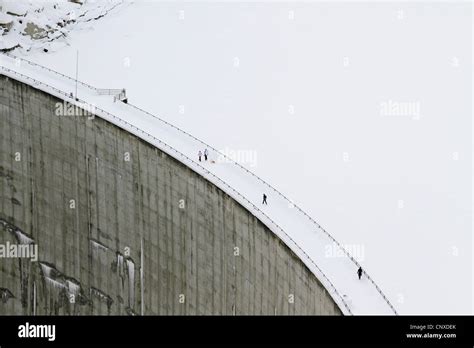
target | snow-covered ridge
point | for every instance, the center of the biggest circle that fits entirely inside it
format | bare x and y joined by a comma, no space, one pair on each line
298,230
38,24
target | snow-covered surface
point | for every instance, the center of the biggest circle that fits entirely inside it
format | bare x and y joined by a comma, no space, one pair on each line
46,24
4,18
338,273
300,87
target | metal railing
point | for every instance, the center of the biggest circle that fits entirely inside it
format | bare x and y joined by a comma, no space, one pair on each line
109,91
228,159
37,83
100,91
8,54
291,203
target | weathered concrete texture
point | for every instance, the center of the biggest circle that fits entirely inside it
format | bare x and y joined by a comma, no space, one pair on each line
67,186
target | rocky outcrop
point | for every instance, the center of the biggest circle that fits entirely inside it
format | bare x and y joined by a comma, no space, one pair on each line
30,25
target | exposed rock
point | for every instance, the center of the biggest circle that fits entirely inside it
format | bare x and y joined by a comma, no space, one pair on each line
35,31
36,24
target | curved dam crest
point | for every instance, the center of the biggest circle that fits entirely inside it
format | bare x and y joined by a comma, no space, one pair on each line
123,228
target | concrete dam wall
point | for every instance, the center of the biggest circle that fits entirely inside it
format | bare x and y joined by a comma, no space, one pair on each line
122,228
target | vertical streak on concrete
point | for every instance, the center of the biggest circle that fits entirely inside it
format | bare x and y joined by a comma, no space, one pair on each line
77,233
97,196
89,220
142,284
34,298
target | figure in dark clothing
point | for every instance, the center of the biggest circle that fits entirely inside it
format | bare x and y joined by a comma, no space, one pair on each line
199,155
264,199
359,272
205,154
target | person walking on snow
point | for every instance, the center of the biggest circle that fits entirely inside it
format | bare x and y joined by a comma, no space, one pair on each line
264,199
205,154
359,272
199,155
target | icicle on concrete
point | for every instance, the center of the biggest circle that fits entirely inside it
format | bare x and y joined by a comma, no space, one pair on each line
23,238
98,246
73,287
131,282
119,264
5,295
19,235
102,296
